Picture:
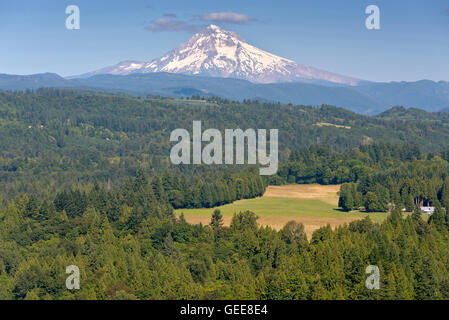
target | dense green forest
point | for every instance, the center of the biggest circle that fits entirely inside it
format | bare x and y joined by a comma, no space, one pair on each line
129,245
52,139
85,180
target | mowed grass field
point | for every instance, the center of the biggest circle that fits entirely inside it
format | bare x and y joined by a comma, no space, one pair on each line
312,205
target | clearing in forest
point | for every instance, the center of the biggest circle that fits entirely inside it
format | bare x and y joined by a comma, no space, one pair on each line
312,205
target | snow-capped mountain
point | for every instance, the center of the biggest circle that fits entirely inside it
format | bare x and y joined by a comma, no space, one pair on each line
220,53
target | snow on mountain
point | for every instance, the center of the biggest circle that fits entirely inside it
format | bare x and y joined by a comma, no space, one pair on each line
220,53
122,68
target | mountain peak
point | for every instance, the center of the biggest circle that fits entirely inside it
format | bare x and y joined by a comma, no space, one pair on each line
220,53
214,27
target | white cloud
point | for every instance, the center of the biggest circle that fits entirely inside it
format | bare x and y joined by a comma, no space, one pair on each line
168,24
226,16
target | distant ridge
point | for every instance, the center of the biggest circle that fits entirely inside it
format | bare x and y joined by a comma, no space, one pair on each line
369,99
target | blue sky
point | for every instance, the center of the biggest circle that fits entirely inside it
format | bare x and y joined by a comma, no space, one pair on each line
412,44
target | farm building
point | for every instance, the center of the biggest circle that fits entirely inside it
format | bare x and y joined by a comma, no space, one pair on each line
427,210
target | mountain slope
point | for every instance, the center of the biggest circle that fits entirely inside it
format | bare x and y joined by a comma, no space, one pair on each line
219,53
122,68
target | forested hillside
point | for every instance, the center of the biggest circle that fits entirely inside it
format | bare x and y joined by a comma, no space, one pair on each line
128,245
85,180
52,139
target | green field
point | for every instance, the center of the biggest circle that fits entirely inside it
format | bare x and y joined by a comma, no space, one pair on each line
291,207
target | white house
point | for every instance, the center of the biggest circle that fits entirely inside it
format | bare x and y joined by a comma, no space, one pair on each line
427,210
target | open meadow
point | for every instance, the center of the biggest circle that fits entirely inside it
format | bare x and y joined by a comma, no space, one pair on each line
312,205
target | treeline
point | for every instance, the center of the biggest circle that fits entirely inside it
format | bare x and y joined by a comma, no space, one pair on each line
172,191
320,164
128,244
212,190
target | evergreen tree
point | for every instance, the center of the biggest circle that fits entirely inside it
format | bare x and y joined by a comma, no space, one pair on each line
346,200
217,220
